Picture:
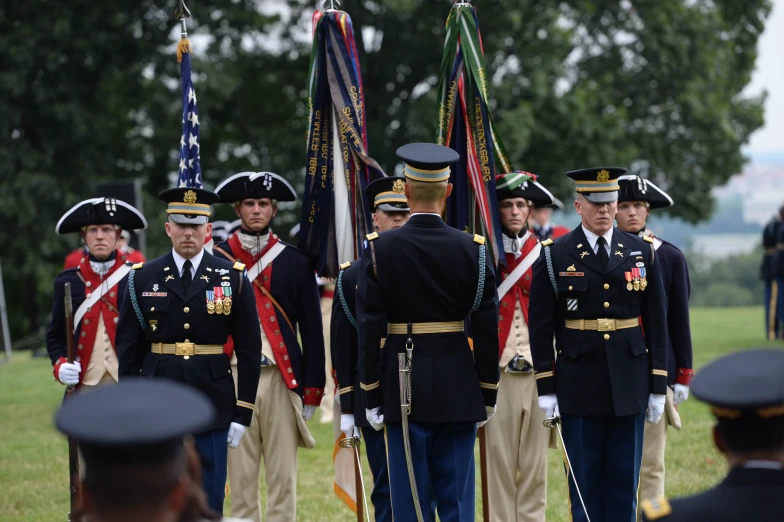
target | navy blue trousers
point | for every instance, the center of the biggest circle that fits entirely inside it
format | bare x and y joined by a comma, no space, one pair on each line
606,453
443,460
376,452
773,312
213,453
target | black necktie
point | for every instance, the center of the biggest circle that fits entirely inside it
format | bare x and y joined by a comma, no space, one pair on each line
187,277
604,258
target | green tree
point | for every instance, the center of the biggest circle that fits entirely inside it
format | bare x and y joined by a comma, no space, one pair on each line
91,93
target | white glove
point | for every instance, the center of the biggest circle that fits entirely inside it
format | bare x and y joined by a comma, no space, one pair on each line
69,373
655,408
680,394
236,431
308,411
549,405
490,412
347,424
375,418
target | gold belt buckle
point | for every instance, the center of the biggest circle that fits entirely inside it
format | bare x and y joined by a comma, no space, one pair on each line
183,348
605,325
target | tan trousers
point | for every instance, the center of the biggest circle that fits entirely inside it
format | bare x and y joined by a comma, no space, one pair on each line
654,442
327,401
517,443
272,435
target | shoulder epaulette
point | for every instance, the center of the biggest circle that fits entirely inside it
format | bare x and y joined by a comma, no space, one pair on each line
345,265
649,239
239,266
372,236
656,509
479,240
137,266
547,242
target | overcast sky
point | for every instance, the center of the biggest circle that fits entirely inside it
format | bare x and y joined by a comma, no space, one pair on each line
769,75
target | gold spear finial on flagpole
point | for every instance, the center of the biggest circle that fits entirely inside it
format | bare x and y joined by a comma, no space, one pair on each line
182,13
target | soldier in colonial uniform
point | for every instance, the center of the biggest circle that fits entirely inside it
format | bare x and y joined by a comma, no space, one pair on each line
768,275
417,286
97,285
292,378
178,313
517,439
390,211
746,397
637,197
541,221
589,289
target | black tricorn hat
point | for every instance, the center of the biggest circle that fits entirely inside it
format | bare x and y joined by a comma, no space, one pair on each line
520,184
635,188
255,185
101,211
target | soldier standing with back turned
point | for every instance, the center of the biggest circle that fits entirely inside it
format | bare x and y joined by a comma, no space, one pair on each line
422,281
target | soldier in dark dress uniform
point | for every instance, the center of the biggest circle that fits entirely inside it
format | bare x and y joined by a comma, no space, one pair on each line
637,197
178,312
746,396
768,274
390,211
417,286
589,290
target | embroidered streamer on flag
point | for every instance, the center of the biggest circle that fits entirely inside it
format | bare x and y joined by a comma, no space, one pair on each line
335,213
464,124
189,168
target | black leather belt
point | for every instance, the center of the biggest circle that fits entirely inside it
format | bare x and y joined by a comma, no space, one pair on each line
518,364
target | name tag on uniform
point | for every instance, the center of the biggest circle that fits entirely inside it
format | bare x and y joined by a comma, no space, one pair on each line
636,253
154,294
571,274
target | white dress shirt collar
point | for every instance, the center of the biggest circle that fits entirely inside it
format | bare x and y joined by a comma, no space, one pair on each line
195,261
593,238
424,214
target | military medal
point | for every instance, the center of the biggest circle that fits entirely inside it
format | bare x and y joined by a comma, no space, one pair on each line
643,281
226,300
210,302
629,285
636,276
218,300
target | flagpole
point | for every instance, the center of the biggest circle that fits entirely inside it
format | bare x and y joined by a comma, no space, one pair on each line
182,13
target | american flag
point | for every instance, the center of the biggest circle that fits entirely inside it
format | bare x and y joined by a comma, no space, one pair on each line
189,169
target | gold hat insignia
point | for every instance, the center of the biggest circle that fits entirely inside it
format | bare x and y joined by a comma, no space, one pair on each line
399,186
189,197
603,175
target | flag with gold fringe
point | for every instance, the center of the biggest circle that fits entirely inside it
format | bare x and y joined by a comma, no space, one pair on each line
335,214
464,124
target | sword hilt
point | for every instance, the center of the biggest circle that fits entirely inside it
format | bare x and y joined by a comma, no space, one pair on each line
552,422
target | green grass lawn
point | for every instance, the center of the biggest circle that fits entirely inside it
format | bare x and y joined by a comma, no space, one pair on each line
33,457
